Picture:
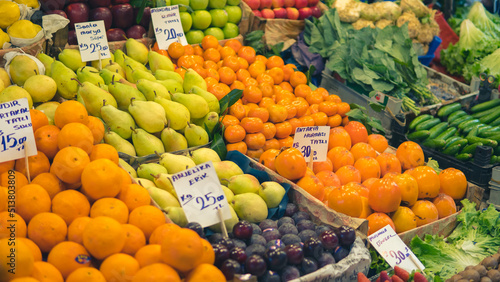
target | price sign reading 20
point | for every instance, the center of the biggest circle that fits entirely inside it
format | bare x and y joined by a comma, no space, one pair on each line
167,26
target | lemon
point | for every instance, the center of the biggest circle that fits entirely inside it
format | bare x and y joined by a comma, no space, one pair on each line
23,29
30,3
4,37
9,13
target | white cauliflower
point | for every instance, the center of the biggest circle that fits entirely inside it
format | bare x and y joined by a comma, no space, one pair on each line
361,23
413,23
383,23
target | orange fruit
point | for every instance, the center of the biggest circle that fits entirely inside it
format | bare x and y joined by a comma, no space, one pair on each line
135,239
147,218
134,195
45,272
104,151
5,223
361,149
38,119
368,167
227,51
384,196
378,220
239,146
19,179
453,183
272,143
101,178
70,111
335,120
333,98
6,166
283,129
404,219
75,229
269,130
339,137
247,53
161,232
35,250
268,158
49,182
290,164
75,135
343,108
362,190
231,62
312,185
159,272
252,124
320,119
148,254
340,156
357,131
238,110
97,128
277,113
68,256
209,41
234,133
328,107
425,211
445,205
286,142
388,163
208,252
110,207
410,155
314,98
31,200
348,173
47,230
255,141
103,236
328,178
234,44
205,272
302,90
366,211
255,154
428,181
378,142
274,61
37,164
297,78
229,120
346,201
70,204
119,267
175,50
326,165
277,74
24,261
46,140
86,274
182,250
68,164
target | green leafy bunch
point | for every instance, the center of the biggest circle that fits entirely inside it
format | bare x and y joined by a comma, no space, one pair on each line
255,39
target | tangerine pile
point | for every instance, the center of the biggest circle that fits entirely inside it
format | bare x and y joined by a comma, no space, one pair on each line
84,215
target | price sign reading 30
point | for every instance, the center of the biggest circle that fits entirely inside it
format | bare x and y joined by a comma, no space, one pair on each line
312,140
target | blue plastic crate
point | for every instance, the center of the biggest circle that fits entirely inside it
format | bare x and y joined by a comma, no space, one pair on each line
427,59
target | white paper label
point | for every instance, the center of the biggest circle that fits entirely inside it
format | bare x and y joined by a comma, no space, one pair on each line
168,27
92,39
16,130
200,194
312,139
393,249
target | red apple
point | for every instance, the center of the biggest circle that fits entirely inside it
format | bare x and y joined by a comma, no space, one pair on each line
316,12
57,12
115,34
267,13
305,13
288,3
299,4
48,5
266,4
72,38
101,13
278,3
312,3
257,13
292,13
77,13
99,3
253,4
117,2
136,31
280,13
123,16
76,1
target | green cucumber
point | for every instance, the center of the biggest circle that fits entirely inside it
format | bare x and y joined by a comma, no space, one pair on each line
473,130
494,137
467,123
490,118
448,109
418,120
434,143
463,156
496,122
470,149
460,120
485,106
485,133
484,129
451,140
452,150
428,124
486,142
456,115
447,133
438,129
484,113
418,136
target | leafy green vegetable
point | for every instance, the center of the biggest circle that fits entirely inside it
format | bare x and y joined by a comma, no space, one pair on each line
378,263
255,39
358,113
489,64
483,19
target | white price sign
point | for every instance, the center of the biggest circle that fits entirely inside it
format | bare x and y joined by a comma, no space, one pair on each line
312,140
200,194
92,40
167,26
393,250
16,130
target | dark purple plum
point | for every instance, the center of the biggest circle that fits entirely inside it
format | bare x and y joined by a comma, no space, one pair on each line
72,40
321,228
270,276
255,249
226,242
288,228
221,253
238,254
256,229
229,268
196,227
309,265
256,265
340,253
243,230
306,224
258,239
307,234
123,16
291,209
329,239
276,259
347,235
271,234
285,219
116,34
290,273
300,215
136,32
214,238
267,224
294,253
289,239
275,244
313,248
325,259
239,243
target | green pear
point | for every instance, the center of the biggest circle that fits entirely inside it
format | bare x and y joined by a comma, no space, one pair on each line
141,74
103,87
109,76
132,66
195,135
89,74
135,65
208,122
127,167
42,88
272,193
228,193
162,198
145,143
152,89
22,68
230,223
146,183
120,144
165,74
192,78
46,61
49,109
4,76
196,105
136,50
71,58
79,99
225,170
164,181
123,94
94,97
177,215
243,183
159,62
120,57
177,114
15,92
203,155
213,102
148,170
116,68
172,85
250,206
2,86
67,87
104,62
148,115
118,121
173,140
176,163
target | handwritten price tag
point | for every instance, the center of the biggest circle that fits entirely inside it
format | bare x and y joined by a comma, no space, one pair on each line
393,250
92,39
200,194
312,140
167,25
16,130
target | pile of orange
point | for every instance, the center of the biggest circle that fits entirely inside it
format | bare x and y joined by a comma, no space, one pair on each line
83,213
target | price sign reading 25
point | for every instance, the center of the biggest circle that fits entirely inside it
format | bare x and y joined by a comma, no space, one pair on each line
167,26
200,194
92,47
92,41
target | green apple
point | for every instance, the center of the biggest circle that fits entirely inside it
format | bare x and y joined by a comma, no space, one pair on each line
219,17
215,31
194,36
186,21
198,4
180,2
233,14
230,30
201,19
216,4
233,2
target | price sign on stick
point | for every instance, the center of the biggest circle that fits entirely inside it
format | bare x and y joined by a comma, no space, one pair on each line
16,130
167,26
200,194
92,41
393,250
312,140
